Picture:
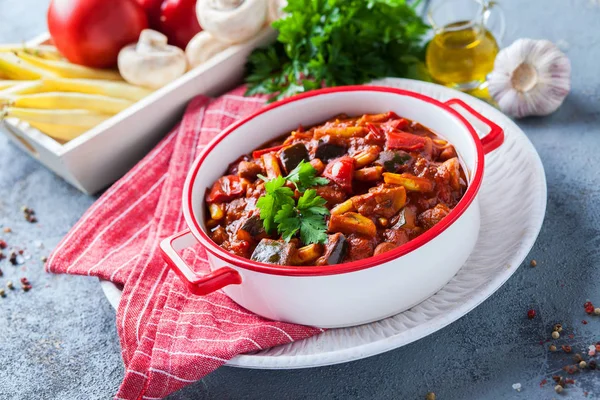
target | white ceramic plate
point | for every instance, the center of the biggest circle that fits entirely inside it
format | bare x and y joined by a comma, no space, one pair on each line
513,204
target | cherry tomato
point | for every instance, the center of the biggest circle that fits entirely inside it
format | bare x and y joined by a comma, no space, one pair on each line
92,32
178,21
152,9
405,141
341,171
225,189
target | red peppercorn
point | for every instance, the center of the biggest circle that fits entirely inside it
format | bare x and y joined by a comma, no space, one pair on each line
589,307
531,314
584,322
24,281
26,288
3,244
566,348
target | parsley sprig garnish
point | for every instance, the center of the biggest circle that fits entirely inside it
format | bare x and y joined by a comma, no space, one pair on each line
338,42
278,208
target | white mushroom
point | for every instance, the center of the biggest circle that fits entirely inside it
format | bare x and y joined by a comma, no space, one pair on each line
202,47
151,62
233,21
530,77
276,10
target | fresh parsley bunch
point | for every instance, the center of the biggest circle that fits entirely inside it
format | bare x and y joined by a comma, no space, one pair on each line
337,42
278,207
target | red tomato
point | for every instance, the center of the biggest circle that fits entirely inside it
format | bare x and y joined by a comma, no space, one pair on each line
152,8
92,32
225,189
178,21
341,171
405,141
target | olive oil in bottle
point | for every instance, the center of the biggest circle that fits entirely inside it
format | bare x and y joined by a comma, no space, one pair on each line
461,55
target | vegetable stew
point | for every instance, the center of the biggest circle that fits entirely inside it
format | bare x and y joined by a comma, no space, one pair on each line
341,191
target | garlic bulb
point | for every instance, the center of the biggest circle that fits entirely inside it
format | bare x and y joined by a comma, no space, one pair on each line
275,10
530,77
202,47
233,21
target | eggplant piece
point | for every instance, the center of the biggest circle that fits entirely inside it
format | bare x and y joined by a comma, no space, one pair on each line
273,252
328,151
253,225
292,156
336,249
392,161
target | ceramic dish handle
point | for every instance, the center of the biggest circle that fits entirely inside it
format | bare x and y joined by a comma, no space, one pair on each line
494,138
197,284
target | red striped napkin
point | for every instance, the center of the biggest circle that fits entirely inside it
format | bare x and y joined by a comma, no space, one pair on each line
169,337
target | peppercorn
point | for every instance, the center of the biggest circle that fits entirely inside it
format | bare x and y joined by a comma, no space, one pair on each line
577,358
3,244
558,328
555,335
593,364
552,347
531,314
588,307
29,214
533,263
10,285
2,293
566,348
582,364
12,257
7,230
430,396
24,281
558,389
2,256
1,273
44,258
597,310
557,379
26,288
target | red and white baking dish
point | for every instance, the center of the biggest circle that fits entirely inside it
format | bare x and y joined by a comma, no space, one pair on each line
346,294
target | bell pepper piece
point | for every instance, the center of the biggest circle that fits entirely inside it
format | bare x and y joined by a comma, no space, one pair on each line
369,174
343,207
345,132
258,153
341,171
352,222
410,182
405,141
226,189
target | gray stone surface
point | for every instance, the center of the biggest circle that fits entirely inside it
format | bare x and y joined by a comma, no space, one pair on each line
59,340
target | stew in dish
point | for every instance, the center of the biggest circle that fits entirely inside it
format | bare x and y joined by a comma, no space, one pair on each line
344,190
